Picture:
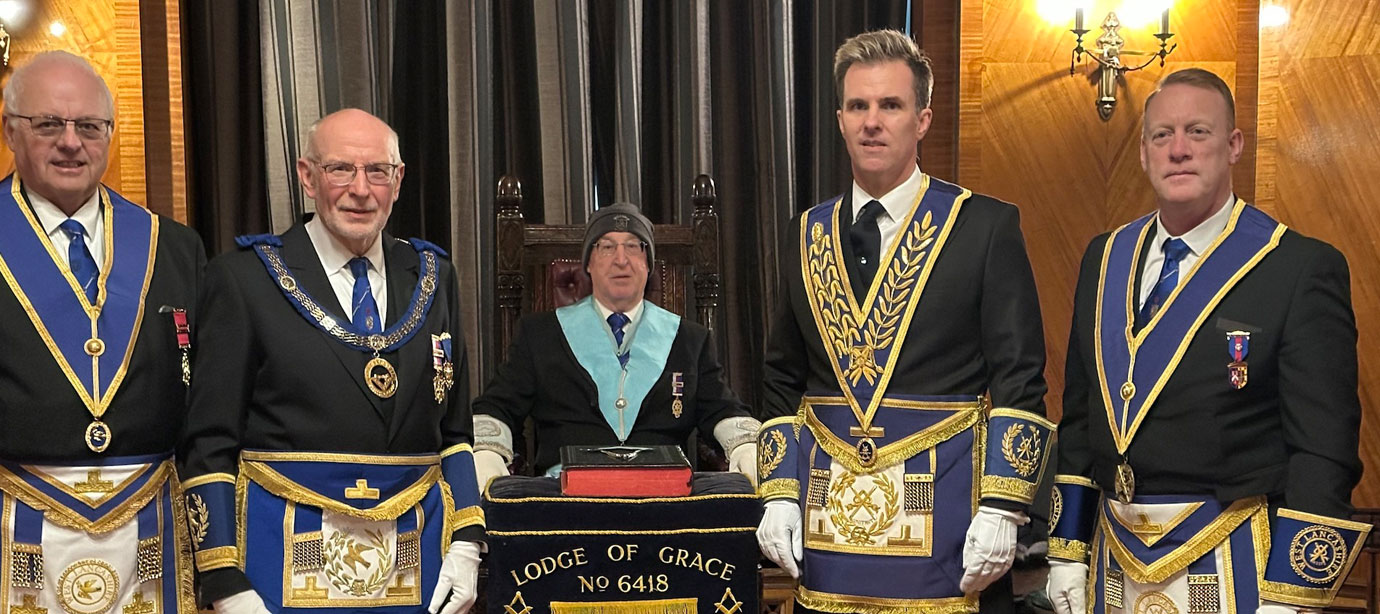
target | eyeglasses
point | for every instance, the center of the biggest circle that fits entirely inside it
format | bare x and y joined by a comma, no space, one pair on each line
606,249
342,174
49,126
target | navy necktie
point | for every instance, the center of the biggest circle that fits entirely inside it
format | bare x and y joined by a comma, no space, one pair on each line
364,312
79,258
617,320
867,247
1174,251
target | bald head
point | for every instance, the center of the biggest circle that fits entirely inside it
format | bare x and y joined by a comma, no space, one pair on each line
55,66
355,121
352,171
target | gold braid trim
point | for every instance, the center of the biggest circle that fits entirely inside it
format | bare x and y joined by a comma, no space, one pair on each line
182,560
58,514
1003,487
470,516
208,478
280,486
890,454
459,447
834,602
779,488
1203,542
216,558
685,605
1068,549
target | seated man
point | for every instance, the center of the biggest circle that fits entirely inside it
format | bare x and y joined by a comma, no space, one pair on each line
611,368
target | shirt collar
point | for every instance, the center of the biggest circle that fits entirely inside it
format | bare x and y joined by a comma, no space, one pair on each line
1200,238
897,202
633,314
334,255
49,215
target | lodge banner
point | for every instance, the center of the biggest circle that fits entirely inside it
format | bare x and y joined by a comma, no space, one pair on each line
671,555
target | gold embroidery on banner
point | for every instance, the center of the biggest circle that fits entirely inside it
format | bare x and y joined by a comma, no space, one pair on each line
728,604
771,453
876,519
1155,602
1023,453
517,602
684,605
751,529
198,518
1317,554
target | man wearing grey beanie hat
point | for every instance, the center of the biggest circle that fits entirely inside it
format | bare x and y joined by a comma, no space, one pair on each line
631,373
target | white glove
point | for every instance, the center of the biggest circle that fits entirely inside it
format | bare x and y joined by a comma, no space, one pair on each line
780,537
459,577
989,547
247,602
487,466
743,459
1275,607
1067,586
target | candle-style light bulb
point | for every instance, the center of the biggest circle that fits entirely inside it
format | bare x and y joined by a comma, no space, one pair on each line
1078,18
1164,22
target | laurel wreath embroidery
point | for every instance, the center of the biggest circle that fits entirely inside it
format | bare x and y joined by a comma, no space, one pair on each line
842,514
771,454
841,324
1024,457
342,550
198,519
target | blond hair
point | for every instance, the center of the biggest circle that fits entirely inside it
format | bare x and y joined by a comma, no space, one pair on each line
884,46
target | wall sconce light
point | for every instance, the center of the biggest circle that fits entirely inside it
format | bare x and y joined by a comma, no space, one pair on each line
1108,51
10,12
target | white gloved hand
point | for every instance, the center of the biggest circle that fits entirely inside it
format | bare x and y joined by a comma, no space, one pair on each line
743,459
487,466
459,578
990,547
247,602
1067,586
1275,607
780,537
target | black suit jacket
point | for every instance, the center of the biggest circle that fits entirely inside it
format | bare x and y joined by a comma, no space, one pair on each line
543,380
267,379
43,417
976,329
1290,433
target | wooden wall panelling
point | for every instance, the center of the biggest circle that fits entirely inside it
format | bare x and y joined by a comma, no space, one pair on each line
1318,173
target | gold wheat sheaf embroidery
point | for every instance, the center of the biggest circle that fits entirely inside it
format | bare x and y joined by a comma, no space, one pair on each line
199,519
1024,457
844,514
773,451
841,325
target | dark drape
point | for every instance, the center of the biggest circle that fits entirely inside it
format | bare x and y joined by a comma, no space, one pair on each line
418,110
226,172
517,141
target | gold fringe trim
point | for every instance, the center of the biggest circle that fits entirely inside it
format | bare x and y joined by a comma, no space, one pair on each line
780,488
216,558
1068,549
1004,487
1298,595
844,604
58,513
1203,542
280,486
656,606
890,454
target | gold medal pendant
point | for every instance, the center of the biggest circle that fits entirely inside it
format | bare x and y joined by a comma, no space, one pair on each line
97,436
1125,482
381,377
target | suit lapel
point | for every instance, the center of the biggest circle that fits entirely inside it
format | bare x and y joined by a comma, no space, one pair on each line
300,257
414,365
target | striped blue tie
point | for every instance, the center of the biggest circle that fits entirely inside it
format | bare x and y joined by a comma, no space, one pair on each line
1174,251
364,312
617,320
79,258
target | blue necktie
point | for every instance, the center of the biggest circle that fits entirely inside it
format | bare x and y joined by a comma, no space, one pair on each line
79,258
364,312
617,320
1174,251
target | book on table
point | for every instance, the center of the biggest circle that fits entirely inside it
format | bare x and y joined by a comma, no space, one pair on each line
624,471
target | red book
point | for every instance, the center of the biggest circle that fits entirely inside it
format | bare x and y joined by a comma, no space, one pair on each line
624,471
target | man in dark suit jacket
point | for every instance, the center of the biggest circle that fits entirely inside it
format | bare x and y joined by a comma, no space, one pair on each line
908,305
97,297
610,369
334,396
1210,413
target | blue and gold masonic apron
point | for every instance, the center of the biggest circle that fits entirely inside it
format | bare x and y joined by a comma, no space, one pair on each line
339,532
880,472
103,536
1160,553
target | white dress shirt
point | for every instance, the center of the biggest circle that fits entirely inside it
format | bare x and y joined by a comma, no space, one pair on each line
335,261
634,316
896,205
1199,240
90,217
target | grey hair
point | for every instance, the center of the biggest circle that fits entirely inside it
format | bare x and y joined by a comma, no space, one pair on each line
883,46
14,90
394,151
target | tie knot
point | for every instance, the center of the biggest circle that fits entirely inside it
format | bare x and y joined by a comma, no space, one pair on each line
1175,249
359,266
73,228
617,320
869,212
